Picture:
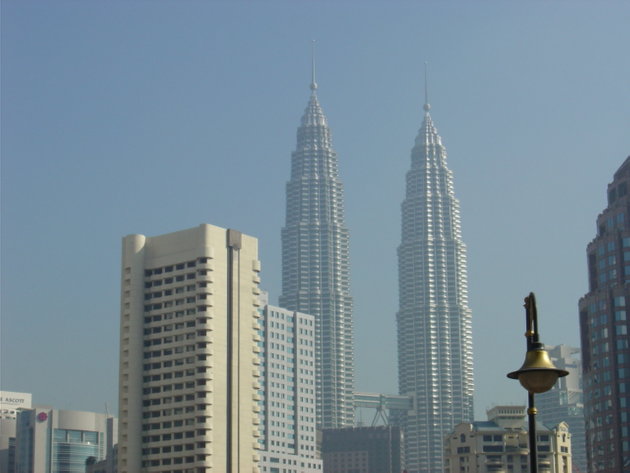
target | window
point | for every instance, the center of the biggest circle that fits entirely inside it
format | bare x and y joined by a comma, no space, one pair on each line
493,448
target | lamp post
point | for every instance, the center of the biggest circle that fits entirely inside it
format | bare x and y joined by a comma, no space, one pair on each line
537,375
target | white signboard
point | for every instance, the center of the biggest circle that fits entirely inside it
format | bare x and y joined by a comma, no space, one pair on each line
10,401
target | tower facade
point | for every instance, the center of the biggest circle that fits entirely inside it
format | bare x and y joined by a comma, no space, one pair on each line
315,263
188,385
435,364
604,331
287,377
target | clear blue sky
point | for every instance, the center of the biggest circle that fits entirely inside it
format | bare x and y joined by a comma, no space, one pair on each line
145,116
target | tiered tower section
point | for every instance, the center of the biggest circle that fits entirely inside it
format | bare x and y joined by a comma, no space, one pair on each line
315,263
435,364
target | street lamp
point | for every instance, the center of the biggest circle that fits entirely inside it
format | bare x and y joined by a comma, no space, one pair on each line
537,375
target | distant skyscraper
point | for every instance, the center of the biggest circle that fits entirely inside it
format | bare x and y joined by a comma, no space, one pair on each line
605,329
435,364
188,385
315,263
564,401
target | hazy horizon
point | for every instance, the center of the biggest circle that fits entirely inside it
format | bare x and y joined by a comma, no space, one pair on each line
142,117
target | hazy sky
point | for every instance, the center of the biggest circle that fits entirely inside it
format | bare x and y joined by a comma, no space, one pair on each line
154,116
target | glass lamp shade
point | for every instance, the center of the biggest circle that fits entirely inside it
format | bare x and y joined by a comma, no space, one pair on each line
538,381
538,374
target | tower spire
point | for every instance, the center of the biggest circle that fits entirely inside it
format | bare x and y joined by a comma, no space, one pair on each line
313,83
434,322
315,237
427,106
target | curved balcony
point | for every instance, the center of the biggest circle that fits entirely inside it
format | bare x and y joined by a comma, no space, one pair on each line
495,466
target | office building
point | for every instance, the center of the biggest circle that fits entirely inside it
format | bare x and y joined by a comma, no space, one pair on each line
501,444
604,328
287,406
435,365
57,441
376,449
10,404
564,401
189,367
315,263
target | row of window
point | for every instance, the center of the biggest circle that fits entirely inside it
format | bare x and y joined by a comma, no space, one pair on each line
173,460
621,343
619,315
171,291
170,328
75,436
176,267
169,363
167,304
166,388
171,424
170,351
149,340
170,315
172,448
620,329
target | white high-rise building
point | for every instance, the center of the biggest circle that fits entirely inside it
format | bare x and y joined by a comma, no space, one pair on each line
288,430
315,263
189,367
435,364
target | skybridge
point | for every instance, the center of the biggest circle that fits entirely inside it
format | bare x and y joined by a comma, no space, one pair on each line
388,408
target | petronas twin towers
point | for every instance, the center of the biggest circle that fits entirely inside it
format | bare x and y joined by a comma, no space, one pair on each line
316,266
434,321
435,364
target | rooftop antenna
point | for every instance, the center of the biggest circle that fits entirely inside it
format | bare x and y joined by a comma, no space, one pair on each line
313,83
427,106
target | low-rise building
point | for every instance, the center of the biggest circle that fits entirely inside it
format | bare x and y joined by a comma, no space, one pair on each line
376,449
501,445
10,403
57,441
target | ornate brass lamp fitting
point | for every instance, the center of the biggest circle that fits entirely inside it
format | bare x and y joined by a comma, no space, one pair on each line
537,375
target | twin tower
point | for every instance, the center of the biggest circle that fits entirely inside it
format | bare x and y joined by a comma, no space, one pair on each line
190,375
435,360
